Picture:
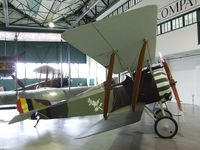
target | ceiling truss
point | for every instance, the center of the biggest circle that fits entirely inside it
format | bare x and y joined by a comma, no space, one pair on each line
35,15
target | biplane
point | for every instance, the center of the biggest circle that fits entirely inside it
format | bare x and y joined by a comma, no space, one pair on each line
57,80
123,43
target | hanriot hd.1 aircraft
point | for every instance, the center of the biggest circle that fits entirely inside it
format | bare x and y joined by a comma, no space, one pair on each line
122,43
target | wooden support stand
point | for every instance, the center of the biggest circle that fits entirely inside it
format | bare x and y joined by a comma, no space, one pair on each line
138,74
108,85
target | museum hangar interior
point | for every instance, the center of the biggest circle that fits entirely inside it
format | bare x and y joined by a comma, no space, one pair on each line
74,74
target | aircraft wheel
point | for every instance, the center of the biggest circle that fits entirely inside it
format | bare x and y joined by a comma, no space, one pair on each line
158,113
166,127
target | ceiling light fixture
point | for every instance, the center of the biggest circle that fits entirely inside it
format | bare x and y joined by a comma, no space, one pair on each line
51,25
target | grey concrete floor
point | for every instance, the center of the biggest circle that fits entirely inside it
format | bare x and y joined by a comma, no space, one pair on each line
60,134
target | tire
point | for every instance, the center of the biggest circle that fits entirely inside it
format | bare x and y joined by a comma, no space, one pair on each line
158,113
166,127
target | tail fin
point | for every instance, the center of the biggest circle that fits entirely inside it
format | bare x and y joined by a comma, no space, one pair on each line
26,104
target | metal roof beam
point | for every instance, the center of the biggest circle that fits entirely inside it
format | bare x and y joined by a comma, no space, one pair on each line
54,7
110,4
25,15
11,23
29,9
106,4
76,13
5,11
89,6
31,29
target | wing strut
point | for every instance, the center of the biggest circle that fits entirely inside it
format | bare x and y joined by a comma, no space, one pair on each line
173,85
108,85
138,74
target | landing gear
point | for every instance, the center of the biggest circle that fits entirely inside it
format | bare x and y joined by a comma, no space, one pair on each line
158,113
38,116
166,127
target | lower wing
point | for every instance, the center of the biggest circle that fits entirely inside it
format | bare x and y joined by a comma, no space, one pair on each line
117,119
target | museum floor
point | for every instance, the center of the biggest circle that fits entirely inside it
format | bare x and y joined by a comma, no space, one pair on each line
60,134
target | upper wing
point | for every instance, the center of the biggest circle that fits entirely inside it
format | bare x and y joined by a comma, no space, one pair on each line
123,34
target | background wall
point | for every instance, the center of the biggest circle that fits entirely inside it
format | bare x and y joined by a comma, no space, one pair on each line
178,41
42,52
186,71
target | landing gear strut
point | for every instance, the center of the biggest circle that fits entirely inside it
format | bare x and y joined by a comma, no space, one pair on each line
38,116
158,113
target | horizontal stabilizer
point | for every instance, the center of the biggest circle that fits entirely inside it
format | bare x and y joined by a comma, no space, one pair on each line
25,116
124,116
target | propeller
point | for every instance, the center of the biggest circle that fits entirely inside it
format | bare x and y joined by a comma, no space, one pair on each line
172,83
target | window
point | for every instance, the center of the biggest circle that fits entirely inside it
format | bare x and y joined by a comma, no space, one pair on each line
177,23
194,15
131,3
115,13
120,10
158,30
198,23
125,6
190,18
166,27
137,1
